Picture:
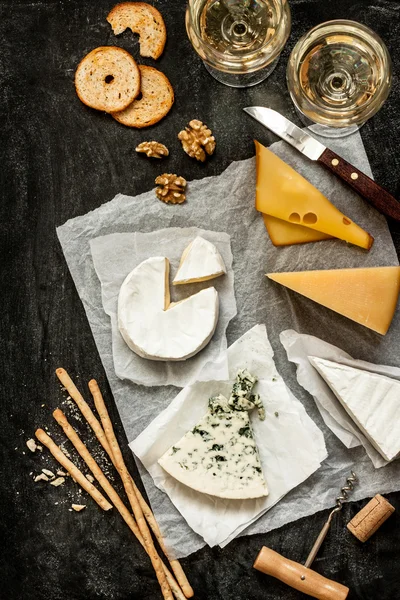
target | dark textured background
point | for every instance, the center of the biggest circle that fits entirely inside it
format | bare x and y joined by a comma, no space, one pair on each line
60,159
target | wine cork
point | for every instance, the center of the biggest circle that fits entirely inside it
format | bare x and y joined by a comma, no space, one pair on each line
370,518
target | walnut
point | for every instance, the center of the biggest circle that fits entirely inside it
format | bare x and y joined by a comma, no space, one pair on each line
153,149
171,188
197,140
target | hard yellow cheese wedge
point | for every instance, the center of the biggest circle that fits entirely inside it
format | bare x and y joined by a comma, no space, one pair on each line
283,233
282,193
367,296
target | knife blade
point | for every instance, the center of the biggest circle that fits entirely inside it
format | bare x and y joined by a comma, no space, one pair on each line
300,139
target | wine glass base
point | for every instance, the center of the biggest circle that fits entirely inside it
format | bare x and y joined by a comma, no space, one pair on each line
325,130
242,80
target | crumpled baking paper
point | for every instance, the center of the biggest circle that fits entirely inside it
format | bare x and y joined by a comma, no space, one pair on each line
226,203
291,446
114,257
298,347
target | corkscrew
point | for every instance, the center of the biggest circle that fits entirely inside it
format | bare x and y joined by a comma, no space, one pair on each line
301,577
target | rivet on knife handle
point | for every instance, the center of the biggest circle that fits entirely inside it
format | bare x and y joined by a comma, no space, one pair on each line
361,183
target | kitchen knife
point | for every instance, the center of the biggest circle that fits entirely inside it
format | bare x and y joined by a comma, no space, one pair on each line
314,150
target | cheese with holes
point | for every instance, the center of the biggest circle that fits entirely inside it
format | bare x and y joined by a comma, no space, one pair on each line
367,296
282,233
371,400
219,455
200,261
157,329
281,192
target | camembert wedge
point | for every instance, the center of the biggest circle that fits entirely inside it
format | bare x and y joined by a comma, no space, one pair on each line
152,326
367,296
200,261
282,193
219,455
371,400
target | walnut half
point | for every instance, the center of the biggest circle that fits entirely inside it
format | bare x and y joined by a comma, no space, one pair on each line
171,188
153,149
197,140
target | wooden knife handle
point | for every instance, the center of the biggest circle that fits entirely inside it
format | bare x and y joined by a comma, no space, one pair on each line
362,184
298,576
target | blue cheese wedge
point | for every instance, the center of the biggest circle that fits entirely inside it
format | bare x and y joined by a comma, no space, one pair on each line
371,400
219,455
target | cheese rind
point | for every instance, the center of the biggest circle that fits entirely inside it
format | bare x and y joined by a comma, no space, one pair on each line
371,400
200,261
219,455
367,296
282,233
281,192
157,330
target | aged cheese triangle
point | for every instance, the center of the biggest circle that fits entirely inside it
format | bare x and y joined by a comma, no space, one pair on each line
281,192
219,455
372,401
153,327
200,261
367,296
283,233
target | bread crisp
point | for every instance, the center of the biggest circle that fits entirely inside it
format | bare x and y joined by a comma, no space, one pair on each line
108,79
143,19
156,101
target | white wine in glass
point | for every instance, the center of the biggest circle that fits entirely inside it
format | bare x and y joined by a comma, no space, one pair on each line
239,40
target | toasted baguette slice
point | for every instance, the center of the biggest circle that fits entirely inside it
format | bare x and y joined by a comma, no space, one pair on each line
156,101
143,19
108,79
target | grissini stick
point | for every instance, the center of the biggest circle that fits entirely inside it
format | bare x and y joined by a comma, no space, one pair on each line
130,492
81,448
72,469
175,564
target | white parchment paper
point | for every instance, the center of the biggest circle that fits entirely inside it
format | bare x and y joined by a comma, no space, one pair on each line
291,446
298,348
226,203
115,255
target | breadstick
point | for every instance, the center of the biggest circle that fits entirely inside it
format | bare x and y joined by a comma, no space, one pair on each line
129,489
72,469
109,490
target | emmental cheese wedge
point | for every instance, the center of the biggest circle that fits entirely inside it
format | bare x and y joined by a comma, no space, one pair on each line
157,329
371,400
283,233
367,296
200,261
282,193
219,455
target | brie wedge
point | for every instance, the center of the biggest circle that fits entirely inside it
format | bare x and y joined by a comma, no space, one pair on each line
157,329
371,400
219,455
200,261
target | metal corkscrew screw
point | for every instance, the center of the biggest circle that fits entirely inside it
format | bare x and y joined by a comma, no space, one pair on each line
344,494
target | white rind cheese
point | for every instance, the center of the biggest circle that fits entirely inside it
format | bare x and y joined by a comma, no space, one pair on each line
156,329
371,400
200,261
219,455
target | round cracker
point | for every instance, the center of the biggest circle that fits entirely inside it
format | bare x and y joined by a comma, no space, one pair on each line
156,101
108,79
143,19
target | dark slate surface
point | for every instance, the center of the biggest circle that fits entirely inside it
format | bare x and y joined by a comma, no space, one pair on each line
61,159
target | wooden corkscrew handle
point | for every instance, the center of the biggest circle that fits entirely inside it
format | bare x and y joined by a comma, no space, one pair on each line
298,576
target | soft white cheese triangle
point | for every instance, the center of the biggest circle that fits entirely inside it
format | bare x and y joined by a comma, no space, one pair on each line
371,400
156,329
219,455
200,261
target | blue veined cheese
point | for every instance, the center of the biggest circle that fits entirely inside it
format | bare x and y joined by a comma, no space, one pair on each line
219,455
371,400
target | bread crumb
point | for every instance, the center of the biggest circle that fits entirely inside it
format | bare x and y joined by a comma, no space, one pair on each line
62,473
41,477
58,481
89,478
48,473
78,507
31,445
